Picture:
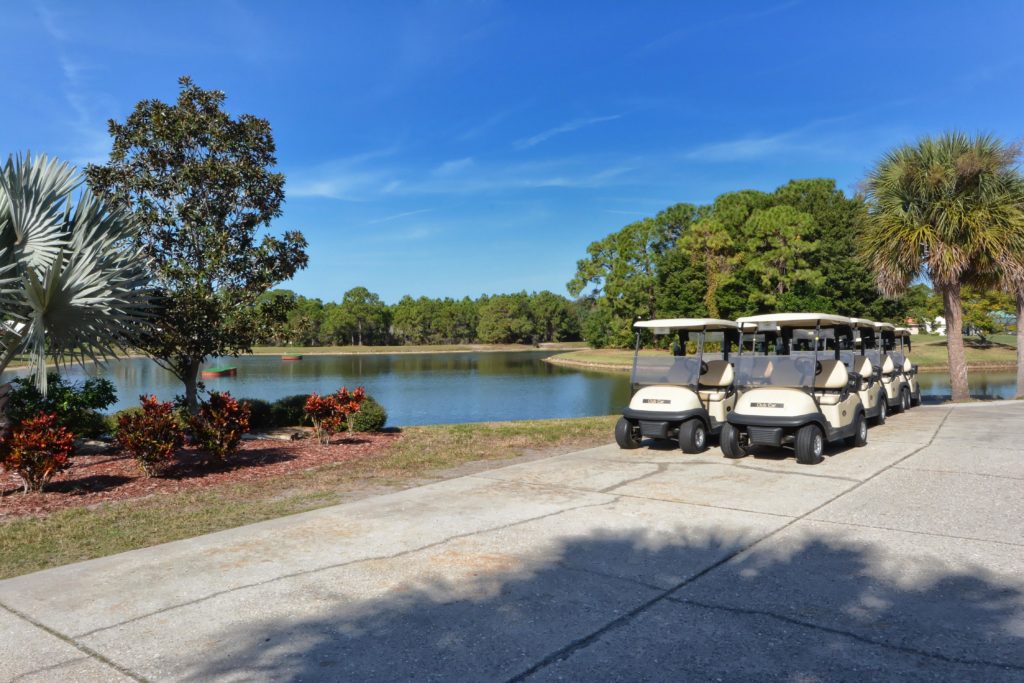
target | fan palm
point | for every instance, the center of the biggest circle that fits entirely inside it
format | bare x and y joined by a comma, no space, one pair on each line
948,208
72,283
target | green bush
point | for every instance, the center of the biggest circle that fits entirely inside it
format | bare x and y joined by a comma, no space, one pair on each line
260,415
371,417
289,411
76,405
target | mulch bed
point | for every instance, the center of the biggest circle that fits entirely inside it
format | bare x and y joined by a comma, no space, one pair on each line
100,478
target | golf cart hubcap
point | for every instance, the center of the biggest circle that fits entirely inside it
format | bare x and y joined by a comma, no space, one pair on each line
698,438
863,429
817,444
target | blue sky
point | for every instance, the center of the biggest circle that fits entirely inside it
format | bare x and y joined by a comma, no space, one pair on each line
460,148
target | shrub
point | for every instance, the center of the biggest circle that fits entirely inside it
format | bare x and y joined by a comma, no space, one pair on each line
219,425
36,449
329,413
371,417
151,434
289,411
259,413
76,405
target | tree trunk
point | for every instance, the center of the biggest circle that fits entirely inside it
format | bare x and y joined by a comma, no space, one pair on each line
191,387
1020,343
955,343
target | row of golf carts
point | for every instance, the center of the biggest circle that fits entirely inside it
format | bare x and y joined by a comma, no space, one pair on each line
794,380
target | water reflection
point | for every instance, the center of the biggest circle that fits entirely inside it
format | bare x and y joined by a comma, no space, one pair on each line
431,388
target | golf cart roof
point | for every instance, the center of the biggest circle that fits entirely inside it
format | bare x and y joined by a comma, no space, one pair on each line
902,331
688,324
794,320
885,326
862,323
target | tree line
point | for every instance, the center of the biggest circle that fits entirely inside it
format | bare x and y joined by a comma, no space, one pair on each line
362,318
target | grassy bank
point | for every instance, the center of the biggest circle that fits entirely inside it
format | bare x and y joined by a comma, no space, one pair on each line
32,543
929,353
412,348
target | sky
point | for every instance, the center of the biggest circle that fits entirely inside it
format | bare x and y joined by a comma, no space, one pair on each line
461,148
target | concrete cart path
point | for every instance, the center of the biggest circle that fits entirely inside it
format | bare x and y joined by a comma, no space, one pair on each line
901,560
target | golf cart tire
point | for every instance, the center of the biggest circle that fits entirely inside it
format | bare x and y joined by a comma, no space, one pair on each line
693,436
905,400
915,401
809,445
626,435
883,409
898,408
729,440
860,432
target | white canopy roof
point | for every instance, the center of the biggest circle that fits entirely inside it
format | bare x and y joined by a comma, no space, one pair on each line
903,331
884,326
688,324
862,322
795,320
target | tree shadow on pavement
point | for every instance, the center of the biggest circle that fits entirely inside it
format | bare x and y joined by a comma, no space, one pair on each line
805,607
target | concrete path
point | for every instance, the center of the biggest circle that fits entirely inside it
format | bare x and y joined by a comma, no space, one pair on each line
903,560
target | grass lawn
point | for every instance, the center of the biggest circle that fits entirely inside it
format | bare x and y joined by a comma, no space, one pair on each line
412,348
929,352
29,544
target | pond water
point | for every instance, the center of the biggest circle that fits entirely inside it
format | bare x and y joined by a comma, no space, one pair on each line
434,388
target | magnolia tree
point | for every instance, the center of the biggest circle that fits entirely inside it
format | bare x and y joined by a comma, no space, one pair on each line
202,187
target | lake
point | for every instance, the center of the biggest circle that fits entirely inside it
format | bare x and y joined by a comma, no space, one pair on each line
433,388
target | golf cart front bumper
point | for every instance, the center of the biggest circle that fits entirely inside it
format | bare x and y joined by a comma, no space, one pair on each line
769,430
656,424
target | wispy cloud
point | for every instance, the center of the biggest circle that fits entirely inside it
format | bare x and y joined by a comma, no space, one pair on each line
675,36
395,217
454,166
568,127
351,178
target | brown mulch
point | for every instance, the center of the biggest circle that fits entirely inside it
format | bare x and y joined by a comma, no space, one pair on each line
101,478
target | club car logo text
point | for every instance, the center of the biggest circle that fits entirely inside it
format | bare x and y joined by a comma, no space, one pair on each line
767,405
662,401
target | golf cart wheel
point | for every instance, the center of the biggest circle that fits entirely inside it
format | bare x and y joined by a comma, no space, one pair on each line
898,408
860,432
729,440
810,445
905,399
915,400
627,435
693,436
883,409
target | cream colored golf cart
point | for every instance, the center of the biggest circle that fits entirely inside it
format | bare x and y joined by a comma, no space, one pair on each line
902,357
679,396
890,368
863,360
800,399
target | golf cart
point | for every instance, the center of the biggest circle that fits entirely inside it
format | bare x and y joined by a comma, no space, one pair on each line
863,361
890,368
676,396
909,369
799,398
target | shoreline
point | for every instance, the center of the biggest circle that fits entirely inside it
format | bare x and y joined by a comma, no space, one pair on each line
614,367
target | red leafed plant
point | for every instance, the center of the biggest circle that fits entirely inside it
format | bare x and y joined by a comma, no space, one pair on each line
329,414
219,425
36,449
151,435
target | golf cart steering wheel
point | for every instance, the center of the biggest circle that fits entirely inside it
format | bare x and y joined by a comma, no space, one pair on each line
803,365
817,368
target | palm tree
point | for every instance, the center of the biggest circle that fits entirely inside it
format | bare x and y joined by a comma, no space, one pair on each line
72,283
948,208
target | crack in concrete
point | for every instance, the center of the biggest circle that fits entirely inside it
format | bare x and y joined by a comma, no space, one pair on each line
848,634
579,644
338,565
961,472
695,463
911,531
660,469
84,649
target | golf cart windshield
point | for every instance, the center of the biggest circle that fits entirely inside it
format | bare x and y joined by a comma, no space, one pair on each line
653,363
774,371
666,369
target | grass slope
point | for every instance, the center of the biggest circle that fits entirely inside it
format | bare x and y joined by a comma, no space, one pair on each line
929,352
32,543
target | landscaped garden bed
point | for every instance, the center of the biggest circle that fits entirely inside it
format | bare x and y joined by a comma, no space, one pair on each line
116,476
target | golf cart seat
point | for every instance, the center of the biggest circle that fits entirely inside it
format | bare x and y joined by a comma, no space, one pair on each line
716,382
888,367
908,367
786,374
830,382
